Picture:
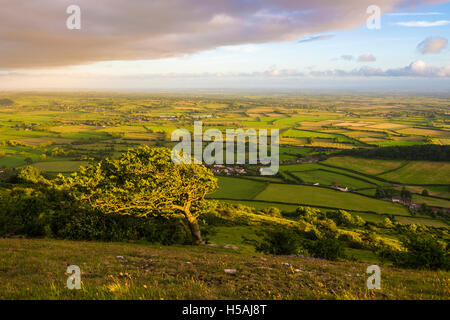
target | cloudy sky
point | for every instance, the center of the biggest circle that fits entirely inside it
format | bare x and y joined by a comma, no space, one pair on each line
182,44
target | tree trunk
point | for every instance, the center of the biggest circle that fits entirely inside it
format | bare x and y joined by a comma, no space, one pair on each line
195,229
186,230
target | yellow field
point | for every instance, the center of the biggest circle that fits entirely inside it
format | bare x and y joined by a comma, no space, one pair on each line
425,132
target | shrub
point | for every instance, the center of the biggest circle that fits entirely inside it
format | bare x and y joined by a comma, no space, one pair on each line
353,240
272,211
326,248
279,242
35,214
423,252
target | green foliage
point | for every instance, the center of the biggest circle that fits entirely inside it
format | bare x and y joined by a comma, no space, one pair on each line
431,152
343,218
272,211
327,248
279,242
31,175
32,213
422,251
144,182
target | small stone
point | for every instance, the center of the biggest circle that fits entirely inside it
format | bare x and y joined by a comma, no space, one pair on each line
230,270
230,246
297,270
119,257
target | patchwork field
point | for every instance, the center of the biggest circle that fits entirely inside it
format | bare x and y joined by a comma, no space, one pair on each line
368,166
314,196
421,172
59,132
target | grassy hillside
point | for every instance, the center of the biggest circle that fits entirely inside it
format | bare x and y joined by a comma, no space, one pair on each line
35,269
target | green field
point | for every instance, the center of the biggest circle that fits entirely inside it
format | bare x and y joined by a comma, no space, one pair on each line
329,178
421,172
235,188
59,166
341,174
368,166
315,196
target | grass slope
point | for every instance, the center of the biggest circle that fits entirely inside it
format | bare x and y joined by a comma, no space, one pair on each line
35,269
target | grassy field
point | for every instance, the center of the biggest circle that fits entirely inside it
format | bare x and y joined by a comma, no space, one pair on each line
330,178
368,166
315,196
235,188
421,172
343,173
35,269
59,166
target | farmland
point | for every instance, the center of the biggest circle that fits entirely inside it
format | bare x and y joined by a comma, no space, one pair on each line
325,168
60,132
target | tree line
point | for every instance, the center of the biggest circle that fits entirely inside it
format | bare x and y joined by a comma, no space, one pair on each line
431,152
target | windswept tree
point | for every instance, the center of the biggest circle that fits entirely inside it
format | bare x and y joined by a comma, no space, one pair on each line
144,182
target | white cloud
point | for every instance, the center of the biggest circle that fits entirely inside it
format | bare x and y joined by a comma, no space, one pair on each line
416,69
424,24
432,45
33,33
415,14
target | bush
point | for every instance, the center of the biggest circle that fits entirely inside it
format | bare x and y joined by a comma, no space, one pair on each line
423,252
353,240
326,248
279,242
343,218
272,211
35,214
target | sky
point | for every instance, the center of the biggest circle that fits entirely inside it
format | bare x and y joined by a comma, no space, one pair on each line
224,44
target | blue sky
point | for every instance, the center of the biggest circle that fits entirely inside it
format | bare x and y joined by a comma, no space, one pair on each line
393,46
279,59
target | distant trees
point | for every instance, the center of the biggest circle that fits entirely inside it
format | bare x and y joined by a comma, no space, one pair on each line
430,152
381,193
6,102
406,195
425,192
